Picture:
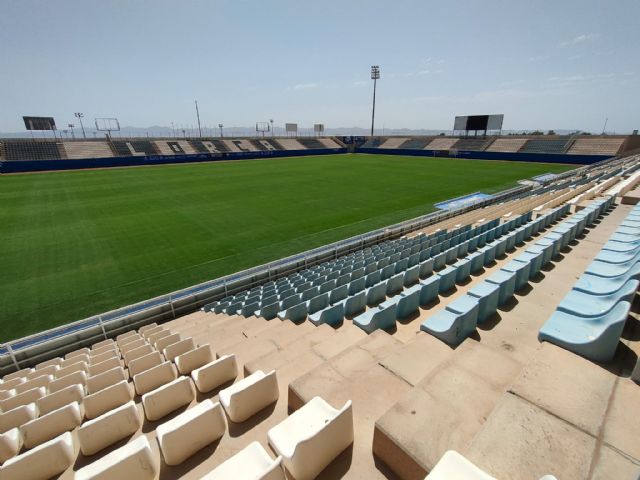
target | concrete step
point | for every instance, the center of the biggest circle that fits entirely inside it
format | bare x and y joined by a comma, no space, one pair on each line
354,374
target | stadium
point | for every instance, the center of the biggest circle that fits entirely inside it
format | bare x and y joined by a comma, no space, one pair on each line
294,302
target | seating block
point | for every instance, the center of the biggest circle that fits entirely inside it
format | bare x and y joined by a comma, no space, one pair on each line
106,379
154,377
168,398
51,425
53,401
47,460
252,462
105,365
172,351
194,358
69,369
64,382
103,431
41,381
191,431
17,416
137,353
23,398
312,437
10,444
107,399
134,460
248,396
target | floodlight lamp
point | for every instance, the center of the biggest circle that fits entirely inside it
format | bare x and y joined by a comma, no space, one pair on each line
375,72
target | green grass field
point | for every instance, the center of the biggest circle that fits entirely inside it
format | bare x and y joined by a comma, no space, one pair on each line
80,243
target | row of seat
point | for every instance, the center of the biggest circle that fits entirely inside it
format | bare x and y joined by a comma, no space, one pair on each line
387,279
459,319
590,318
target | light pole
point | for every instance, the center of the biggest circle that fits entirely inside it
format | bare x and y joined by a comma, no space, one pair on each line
79,116
220,125
273,133
375,76
73,135
198,115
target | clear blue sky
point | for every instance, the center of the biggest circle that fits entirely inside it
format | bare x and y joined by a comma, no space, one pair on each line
545,64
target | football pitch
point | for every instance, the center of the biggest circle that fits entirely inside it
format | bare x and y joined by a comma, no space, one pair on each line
74,244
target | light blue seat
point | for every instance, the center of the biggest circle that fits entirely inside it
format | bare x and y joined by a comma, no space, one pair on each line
595,338
426,268
501,247
488,295
221,307
579,303
309,293
357,273
551,240
370,267
447,279
622,237
290,301
522,270
395,284
376,294
534,259
595,285
394,258
628,229
387,271
318,303
355,304
250,309
507,283
282,294
327,286
476,260
332,315
439,261
510,241
463,269
343,280
463,249
482,239
233,308
489,251
617,257
373,278
414,260
338,294
408,302
451,254
605,269
357,285
296,314
268,312
381,317
411,276
614,246
333,275
429,289
425,254
453,326
491,235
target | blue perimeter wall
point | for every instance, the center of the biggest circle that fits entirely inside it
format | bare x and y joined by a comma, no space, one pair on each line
514,157
49,165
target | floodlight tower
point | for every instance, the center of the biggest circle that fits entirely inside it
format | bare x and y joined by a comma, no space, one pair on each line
375,76
79,116
272,131
220,125
73,135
